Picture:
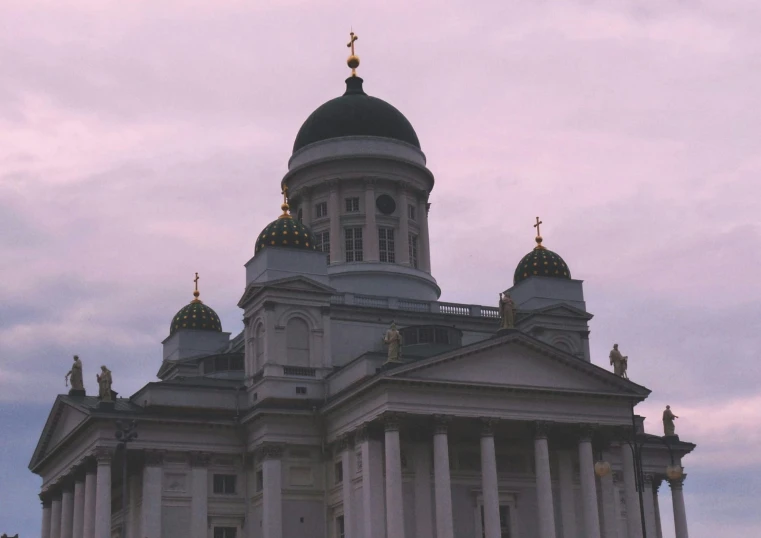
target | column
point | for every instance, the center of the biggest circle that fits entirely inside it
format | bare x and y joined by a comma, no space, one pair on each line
150,510
133,523
545,509
346,447
67,509
78,523
633,517
649,506
334,212
44,498
441,476
373,500
567,493
55,516
421,462
199,500
588,486
90,484
306,206
103,457
609,503
424,246
371,227
489,482
394,501
656,504
272,495
403,241
680,514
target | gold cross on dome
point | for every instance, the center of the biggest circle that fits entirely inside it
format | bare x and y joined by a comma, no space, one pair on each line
196,279
284,192
538,222
350,44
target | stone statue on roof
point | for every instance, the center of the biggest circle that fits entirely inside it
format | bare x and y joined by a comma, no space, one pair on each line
506,311
668,422
393,340
104,384
75,375
620,362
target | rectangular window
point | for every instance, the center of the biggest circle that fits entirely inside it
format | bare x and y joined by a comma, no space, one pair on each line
411,212
386,245
301,390
413,250
340,530
354,244
338,472
321,210
322,242
224,532
224,484
352,205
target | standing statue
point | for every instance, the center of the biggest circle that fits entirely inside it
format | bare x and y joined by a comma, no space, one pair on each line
506,311
393,340
104,384
668,422
75,375
620,362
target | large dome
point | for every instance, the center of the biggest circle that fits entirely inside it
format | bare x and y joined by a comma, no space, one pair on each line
355,114
196,316
285,231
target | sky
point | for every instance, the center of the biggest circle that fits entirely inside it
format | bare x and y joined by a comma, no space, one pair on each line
141,142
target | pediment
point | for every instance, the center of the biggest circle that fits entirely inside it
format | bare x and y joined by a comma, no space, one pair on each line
62,421
559,310
518,361
297,283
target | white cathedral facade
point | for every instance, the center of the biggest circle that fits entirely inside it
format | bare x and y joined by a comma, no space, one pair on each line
299,427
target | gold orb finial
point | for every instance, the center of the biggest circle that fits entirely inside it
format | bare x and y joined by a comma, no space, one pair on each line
538,239
284,206
353,60
196,293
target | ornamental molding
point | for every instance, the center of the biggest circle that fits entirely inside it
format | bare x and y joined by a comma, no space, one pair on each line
270,451
103,455
542,429
441,424
487,426
392,420
345,442
153,458
200,459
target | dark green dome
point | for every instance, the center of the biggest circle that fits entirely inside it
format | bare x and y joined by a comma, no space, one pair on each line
541,262
196,316
355,114
285,231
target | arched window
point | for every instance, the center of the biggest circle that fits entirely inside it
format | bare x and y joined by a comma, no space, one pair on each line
259,345
297,337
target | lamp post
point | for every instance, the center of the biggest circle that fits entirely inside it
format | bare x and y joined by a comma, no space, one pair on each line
125,433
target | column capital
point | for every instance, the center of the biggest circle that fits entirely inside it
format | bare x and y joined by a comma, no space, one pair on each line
585,432
542,429
370,183
332,185
362,433
153,458
46,497
487,426
103,455
677,483
345,442
200,459
391,421
270,451
441,424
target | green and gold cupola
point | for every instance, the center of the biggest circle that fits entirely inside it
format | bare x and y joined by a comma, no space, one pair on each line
196,316
541,262
285,231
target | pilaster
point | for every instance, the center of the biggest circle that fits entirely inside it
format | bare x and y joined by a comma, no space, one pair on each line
272,495
151,509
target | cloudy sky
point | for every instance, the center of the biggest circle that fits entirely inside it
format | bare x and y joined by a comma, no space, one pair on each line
143,141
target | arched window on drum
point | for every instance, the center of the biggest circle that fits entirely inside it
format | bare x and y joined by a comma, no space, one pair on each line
297,338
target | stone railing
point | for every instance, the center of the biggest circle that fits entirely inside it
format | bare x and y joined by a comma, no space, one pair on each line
410,305
301,371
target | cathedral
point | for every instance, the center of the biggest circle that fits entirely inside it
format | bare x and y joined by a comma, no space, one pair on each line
354,403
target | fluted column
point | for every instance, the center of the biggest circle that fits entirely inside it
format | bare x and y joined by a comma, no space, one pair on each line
424,247
90,492
373,499
680,513
441,476
103,457
633,518
649,507
609,503
489,482
394,501
78,522
45,500
588,485
403,241
346,447
371,247
272,495
199,500
150,510
67,509
545,508
334,212
567,493
55,516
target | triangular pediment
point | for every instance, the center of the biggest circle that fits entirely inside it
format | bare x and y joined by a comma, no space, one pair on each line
562,310
64,418
518,361
299,283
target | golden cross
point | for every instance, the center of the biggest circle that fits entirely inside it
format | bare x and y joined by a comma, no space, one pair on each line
350,44
196,281
284,192
538,222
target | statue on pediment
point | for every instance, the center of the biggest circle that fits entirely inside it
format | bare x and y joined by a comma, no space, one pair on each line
506,311
75,375
393,340
668,422
104,384
619,362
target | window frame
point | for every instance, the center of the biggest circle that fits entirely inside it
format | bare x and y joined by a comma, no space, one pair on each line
320,210
225,534
412,212
224,482
351,204
414,249
507,500
322,242
354,244
386,245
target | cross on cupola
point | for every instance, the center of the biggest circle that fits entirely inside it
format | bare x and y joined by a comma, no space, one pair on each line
538,235
353,60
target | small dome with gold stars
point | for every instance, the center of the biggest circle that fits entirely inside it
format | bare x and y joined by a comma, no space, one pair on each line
285,231
196,316
541,262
